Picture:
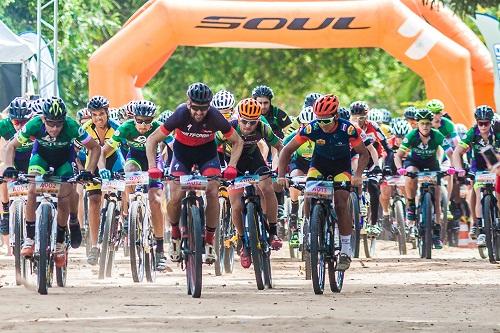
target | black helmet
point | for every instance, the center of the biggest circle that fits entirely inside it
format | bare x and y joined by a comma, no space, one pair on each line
344,113
262,91
98,102
199,93
484,112
424,114
409,112
19,109
359,108
144,108
310,99
54,109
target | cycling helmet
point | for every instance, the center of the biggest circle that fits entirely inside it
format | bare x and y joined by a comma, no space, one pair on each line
358,108
461,130
326,105
484,112
344,113
199,93
386,116
435,106
98,102
164,116
19,109
409,112
311,98
36,106
129,109
424,114
83,114
306,115
262,91
400,127
222,100
249,108
375,115
54,109
144,108
117,115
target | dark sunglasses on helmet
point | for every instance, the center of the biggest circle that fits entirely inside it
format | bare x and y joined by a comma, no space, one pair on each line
249,122
51,123
483,123
200,107
143,121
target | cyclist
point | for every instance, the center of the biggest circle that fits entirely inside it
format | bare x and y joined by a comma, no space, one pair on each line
195,123
299,165
359,112
19,114
333,139
101,129
252,130
479,136
134,132
53,133
421,145
409,114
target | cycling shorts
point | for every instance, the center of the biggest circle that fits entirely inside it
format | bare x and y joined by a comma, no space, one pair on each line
339,170
186,157
253,163
430,164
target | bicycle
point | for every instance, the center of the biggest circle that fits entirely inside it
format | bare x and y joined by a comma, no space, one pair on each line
491,224
225,236
427,180
324,236
369,241
398,211
256,231
110,227
140,232
298,182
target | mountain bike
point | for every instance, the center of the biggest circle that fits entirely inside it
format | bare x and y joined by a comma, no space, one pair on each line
324,236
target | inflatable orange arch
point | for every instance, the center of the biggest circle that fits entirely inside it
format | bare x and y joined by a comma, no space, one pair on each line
126,63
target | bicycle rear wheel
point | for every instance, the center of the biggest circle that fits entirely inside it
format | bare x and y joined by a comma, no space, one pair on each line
194,258
400,219
135,241
19,260
86,235
253,238
488,228
317,246
149,255
43,265
356,232
106,239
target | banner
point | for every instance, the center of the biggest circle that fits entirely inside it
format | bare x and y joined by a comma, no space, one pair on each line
490,29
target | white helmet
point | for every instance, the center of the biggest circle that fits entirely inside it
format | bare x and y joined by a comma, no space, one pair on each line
400,127
375,115
223,100
116,115
306,115
386,116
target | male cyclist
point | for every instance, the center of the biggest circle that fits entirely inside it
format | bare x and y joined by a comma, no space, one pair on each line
195,124
409,114
476,138
53,134
134,132
421,145
252,130
19,114
101,129
334,138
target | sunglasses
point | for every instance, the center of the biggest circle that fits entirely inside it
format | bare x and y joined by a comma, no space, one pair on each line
249,122
200,107
54,123
326,121
483,123
143,121
425,123
17,122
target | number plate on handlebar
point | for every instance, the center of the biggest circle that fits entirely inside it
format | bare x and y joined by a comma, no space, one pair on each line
17,190
136,178
319,189
486,178
112,185
427,178
193,183
244,181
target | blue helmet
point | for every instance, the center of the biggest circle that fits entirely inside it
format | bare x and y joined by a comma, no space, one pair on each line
19,108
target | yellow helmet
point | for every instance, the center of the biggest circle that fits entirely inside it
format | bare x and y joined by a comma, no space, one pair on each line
249,109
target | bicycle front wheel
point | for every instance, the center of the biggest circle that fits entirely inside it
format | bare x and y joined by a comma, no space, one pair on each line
400,219
317,246
426,223
194,258
489,231
44,269
356,231
135,240
106,239
255,250
19,260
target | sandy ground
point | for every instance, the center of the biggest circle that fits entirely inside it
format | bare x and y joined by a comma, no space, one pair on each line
456,292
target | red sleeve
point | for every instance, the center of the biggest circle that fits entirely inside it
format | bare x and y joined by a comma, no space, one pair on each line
164,130
300,139
228,134
355,136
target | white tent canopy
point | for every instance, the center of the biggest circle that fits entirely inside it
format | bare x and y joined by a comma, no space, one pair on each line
13,49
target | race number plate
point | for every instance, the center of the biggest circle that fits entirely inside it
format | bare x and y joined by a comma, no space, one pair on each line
136,178
17,190
193,183
244,181
486,178
112,185
319,189
427,178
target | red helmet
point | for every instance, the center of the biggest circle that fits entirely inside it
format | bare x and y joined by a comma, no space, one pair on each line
326,106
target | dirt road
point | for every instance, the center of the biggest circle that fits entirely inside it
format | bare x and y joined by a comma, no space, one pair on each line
456,292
